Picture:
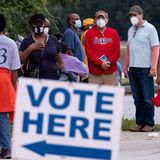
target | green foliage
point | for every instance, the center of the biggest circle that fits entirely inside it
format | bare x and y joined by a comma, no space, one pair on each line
17,14
118,12
60,9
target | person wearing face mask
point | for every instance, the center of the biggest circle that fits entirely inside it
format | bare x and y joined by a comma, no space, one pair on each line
88,23
40,52
140,65
71,38
47,27
102,47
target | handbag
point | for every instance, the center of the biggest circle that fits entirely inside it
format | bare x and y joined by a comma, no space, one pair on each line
156,99
33,74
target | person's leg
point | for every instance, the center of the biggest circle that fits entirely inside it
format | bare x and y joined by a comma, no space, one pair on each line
5,142
95,79
137,95
147,87
110,79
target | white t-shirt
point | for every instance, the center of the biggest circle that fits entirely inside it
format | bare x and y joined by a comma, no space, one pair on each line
140,45
9,56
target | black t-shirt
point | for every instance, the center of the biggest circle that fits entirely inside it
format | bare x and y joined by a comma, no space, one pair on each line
45,59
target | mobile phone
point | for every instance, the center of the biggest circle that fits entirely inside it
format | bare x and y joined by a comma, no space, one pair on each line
103,58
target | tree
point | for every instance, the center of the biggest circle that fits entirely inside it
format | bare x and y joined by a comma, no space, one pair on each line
60,9
118,12
17,14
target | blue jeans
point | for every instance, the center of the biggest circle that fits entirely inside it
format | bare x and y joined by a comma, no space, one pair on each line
142,87
5,142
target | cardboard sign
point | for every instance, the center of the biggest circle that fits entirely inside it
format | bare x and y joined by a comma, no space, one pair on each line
61,120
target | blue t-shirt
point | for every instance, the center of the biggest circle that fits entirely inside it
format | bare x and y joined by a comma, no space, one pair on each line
73,42
45,59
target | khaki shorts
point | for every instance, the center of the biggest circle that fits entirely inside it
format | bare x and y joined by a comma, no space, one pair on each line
107,79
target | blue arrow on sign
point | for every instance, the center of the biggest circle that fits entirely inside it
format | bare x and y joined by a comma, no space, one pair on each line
42,148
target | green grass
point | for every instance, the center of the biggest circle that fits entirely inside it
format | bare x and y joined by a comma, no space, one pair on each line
127,124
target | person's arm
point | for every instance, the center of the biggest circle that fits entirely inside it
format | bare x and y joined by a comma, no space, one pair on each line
116,54
34,46
60,63
158,71
154,42
14,77
68,38
126,62
154,61
69,52
119,70
78,67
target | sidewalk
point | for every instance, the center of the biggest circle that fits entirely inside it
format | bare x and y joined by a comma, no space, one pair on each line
139,146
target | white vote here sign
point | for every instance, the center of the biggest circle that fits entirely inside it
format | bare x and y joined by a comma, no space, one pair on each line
56,120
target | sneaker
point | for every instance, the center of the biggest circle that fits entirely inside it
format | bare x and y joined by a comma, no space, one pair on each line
5,154
147,129
138,128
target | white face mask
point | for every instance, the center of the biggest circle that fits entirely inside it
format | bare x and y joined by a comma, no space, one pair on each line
78,23
46,30
134,20
101,23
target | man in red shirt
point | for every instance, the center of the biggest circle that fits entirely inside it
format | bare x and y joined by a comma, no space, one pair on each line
103,51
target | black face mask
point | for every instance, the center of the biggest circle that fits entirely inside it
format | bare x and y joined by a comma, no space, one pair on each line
38,29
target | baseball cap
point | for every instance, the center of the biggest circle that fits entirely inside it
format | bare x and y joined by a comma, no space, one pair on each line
101,13
88,21
38,17
135,9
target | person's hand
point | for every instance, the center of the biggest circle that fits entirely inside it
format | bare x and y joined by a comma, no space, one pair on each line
125,71
158,80
37,46
152,72
105,65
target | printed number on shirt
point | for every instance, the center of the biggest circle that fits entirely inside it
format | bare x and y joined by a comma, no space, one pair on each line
3,56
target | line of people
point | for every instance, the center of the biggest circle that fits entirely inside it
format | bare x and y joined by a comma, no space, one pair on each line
40,55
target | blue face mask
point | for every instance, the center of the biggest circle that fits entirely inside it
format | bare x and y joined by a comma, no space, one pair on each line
78,23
